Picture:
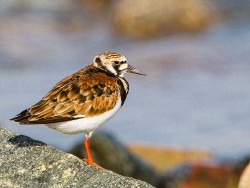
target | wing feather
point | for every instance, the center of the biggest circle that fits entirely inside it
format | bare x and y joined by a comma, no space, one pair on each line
76,96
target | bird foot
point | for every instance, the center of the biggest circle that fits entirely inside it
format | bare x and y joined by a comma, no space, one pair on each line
91,162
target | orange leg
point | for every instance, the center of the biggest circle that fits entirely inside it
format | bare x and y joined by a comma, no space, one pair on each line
87,147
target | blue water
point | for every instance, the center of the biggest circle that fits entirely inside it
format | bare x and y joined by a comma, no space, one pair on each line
196,94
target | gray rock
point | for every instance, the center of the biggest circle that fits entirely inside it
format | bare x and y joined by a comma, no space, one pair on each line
113,155
25,162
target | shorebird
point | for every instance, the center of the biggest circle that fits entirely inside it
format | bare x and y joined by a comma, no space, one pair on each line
85,100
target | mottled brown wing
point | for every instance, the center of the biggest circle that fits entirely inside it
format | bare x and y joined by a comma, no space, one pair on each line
77,96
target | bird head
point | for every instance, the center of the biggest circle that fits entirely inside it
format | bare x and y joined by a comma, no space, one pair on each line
114,63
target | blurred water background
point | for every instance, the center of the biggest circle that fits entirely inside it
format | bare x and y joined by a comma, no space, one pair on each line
196,94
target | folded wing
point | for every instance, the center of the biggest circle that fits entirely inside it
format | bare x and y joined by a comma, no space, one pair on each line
77,96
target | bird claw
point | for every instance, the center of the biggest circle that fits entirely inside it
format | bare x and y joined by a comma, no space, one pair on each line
91,162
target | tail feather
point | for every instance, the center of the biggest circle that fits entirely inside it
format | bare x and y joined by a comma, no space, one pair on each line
21,118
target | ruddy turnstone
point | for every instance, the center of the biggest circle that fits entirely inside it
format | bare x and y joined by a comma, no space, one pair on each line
85,100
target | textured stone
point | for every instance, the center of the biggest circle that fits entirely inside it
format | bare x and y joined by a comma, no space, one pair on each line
25,162
113,155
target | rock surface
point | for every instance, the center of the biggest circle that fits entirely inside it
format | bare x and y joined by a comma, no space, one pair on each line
163,158
214,174
25,162
113,155
146,18
245,178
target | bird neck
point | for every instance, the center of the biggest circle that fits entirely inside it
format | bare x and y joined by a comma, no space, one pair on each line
124,88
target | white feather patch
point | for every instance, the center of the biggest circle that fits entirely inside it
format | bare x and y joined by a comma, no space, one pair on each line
111,69
124,66
85,125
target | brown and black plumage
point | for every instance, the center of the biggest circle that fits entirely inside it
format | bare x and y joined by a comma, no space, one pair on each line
89,92
85,100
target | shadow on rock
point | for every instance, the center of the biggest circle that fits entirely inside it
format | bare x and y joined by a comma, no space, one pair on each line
112,155
45,166
24,141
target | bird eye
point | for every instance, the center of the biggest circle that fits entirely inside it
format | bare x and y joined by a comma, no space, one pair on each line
117,62
97,60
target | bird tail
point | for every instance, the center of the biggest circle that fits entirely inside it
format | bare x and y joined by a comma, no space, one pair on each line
21,118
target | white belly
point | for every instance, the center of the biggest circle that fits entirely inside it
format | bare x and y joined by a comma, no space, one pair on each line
86,125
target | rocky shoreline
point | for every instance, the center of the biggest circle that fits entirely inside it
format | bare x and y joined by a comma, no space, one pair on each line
27,163
195,48
165,167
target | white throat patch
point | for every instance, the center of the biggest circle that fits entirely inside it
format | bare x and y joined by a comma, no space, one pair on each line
111,69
